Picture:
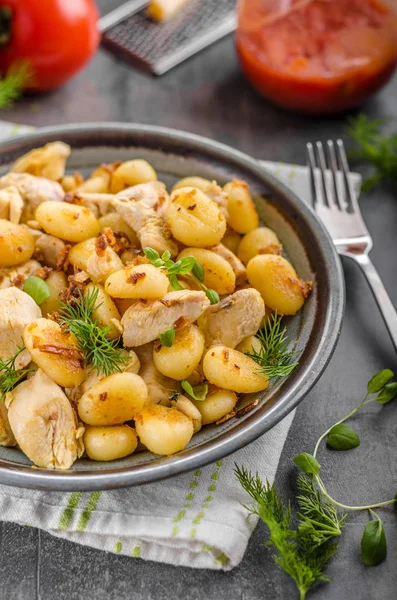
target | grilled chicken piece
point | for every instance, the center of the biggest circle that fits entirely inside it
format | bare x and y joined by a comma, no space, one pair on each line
234,318
238,268
11,204
16,310
49,249
6,436
48,161
99,204
44,423
17,275
159,386
33,190
145,320
143,208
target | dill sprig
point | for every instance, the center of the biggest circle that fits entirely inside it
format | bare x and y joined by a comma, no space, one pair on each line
274,356
297,551
18,76
100,352
9,375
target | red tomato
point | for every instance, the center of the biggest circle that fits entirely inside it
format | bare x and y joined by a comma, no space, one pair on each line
57,37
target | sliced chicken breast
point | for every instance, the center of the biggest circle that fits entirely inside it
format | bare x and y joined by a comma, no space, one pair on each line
143,208
17,275
234,318
49,249
44,423
33,190
11,204
145,320
16,310
48,161
159,386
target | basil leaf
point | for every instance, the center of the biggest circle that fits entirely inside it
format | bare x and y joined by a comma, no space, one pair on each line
198,271
168,337
307,463
212,296
198,392
166,255
175,283
37,289
174,269
388,393
343,437
379,380
187,265
151,254
158,262
373,543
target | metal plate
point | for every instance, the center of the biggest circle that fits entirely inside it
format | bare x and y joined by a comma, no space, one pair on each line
315,329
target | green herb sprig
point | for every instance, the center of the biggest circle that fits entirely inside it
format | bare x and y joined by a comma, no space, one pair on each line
100,352
303,553
19,76
167,338
198,392
187,266
374,147
10,376
274,357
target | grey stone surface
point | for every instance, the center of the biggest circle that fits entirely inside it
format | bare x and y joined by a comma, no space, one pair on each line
208,95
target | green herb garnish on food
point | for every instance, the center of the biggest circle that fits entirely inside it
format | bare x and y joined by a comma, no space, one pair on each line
37,289
19,76
303,553
100,352
9,375
374,147
198,392
168,337
274,357
188,267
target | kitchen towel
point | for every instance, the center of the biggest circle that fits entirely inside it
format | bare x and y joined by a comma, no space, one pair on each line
196,519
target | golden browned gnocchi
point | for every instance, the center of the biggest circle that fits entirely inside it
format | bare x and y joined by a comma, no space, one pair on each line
141,294
194,219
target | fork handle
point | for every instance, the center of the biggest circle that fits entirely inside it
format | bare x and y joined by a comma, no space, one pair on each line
382,298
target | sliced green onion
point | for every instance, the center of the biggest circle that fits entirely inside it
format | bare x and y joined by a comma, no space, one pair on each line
37,289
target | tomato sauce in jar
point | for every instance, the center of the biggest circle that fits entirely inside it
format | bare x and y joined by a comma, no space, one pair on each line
317,56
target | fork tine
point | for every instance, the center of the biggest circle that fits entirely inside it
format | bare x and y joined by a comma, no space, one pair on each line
327,196
344,167
334,169
311,159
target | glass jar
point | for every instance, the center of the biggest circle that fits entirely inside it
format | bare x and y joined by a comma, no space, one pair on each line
317,56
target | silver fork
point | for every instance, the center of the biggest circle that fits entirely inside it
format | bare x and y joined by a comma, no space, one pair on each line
335,202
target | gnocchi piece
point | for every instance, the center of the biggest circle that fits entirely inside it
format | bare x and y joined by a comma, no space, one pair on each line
16,244
69,222
218,273
249,344
94,185
276,280
242,212
56,281
109,442
186,406
97,262
106,311
258,241
183,357
194,219
216,405
131,172
139,281
193,182
231,370
117,223
55,352
163,430
113,400
231,240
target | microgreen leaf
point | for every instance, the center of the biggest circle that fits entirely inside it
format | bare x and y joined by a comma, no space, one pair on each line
175,283
387,394
212,296
198,271
342,437
186,265
307,463
174,269
198,392
379,380
166,255
168,337
151,254
37,289
373,543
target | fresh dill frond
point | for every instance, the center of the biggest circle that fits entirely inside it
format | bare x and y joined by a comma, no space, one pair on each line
9,375
100,352
18,76
319,520
274,357
302,561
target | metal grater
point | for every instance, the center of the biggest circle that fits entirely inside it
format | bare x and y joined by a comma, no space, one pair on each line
158,47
